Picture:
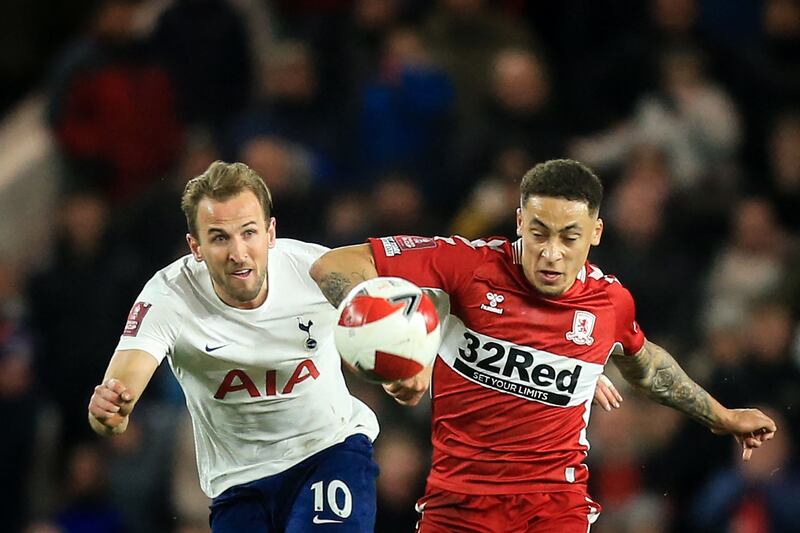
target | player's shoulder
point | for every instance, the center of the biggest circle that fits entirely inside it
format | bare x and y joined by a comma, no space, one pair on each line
299,251
183,276
607,284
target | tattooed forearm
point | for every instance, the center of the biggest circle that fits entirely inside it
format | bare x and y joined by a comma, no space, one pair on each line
335,285
656,373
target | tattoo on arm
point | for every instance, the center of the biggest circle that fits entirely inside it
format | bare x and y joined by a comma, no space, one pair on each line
656,373
335,285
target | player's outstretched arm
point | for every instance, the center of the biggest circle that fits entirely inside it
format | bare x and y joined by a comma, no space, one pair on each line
128,373
341,269
656,373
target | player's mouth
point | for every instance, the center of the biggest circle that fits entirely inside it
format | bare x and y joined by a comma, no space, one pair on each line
242,273
548,276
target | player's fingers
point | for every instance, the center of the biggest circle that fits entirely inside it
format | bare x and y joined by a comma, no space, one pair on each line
617,395
118,387
392,388
601,400
103,404
746,453
109,395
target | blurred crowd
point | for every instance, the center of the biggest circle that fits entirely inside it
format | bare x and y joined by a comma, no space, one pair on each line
372,117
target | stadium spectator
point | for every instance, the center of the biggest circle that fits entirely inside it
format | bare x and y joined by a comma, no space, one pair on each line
77,301
760,495
112,107
204,46
18,406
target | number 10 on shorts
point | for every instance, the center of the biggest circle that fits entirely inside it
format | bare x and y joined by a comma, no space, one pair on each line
332,495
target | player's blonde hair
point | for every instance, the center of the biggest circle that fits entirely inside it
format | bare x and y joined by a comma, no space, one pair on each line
219,182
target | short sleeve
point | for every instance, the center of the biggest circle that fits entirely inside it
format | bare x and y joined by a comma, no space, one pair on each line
628,332
153,323
436,262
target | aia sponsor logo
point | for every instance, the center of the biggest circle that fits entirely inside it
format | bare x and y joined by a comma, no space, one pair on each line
238,380
135,318
582,327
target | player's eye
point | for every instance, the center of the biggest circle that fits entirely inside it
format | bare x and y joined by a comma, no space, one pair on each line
218,238
249,232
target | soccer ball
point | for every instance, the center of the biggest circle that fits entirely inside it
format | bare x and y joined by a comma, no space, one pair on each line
388,329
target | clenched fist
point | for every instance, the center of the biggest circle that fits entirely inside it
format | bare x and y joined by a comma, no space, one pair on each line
110,406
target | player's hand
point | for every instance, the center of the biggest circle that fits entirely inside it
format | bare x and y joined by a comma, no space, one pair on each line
751,427
111,404
606,394
410,391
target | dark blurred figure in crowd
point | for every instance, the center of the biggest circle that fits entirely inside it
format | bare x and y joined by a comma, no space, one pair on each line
464,36
348,219
689,116
204,46
772,376
486,211
403,465
362,40
77,303
399,206
405,112
291,107
289,171
641,247
17,403
112,107
766,77
783,168
619,58
757,496
153,227
138,468
751,263
87,507
516,112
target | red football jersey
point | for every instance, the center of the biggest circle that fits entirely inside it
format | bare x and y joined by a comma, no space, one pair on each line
513,384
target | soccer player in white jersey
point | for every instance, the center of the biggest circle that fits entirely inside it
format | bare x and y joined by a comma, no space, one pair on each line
531,324
281,445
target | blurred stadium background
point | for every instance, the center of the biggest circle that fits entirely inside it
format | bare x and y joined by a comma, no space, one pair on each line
372,117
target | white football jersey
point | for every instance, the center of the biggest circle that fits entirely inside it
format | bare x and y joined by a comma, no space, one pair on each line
264,386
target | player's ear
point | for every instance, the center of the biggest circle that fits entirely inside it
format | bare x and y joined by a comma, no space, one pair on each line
519,222
597,232
194,246
271,232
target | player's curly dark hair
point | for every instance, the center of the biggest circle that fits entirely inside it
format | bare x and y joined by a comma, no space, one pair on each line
563,178
219,182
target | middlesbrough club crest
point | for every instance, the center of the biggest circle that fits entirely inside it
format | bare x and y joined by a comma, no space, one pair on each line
582,327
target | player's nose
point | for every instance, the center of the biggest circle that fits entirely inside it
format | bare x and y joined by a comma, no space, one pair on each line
550,252
237,251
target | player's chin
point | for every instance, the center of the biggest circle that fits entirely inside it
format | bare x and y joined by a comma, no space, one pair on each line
551,291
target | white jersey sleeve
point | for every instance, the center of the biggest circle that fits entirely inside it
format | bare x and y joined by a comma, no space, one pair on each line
154,321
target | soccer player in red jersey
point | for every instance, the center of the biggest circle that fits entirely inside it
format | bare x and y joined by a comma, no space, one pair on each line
529,326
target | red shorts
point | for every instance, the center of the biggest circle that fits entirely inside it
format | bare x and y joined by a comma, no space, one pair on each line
540,512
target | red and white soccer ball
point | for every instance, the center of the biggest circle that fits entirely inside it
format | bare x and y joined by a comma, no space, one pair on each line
388,329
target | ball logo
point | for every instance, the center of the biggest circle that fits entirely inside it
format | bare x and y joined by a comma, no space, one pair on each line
582,327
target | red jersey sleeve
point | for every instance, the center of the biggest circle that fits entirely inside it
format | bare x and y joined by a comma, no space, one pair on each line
437,262
628,333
